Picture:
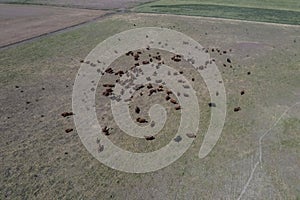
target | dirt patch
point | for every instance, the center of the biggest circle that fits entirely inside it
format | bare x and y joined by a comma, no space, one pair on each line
21,22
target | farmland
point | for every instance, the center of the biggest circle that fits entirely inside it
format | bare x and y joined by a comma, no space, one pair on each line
274,11
256,157
90,4
19,22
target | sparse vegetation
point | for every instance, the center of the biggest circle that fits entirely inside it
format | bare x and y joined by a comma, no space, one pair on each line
43,157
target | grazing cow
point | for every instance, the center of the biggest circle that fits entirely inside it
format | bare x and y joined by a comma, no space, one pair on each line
100,148
168,98
66,114
212,104
137,110
191,135
68,130
138,87
120,73
178,139
160,89
129,53
169,92
242,92
151,137
158,57
177,107
108,85
107,92
152,91
228,60
176,58
141,120
109,70
105,130
152,124
136,56
149,86
173,101
237,109
145,62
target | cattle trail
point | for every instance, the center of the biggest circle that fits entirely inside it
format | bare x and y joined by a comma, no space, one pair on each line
260,151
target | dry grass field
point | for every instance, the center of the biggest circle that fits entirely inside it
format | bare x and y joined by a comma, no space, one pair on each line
256,157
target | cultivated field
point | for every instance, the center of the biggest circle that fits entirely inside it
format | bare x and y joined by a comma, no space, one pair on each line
92,4
275,11
21,22
257,156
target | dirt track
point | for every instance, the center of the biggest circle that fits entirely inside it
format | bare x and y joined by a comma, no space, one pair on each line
21,22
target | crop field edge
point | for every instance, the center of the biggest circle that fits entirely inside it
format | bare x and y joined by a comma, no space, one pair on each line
238,12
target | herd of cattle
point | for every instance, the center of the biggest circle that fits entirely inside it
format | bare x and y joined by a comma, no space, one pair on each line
150,89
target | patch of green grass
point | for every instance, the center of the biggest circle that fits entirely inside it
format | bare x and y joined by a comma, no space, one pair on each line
268,4
242,11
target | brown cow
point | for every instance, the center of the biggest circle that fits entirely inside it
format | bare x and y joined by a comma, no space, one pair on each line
177,107
141,120
237,109
66,114
149,137
173,101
